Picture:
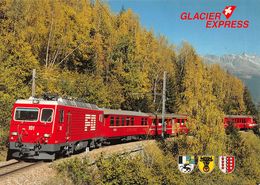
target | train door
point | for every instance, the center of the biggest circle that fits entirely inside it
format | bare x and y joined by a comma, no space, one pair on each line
61,127
68,127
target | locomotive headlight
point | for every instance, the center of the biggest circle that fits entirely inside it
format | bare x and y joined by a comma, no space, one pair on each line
14,133
46,135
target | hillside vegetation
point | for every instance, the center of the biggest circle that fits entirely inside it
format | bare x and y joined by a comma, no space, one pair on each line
158,165
81,49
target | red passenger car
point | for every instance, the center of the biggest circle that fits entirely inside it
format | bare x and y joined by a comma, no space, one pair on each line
127,125
174,124
241,122
181,123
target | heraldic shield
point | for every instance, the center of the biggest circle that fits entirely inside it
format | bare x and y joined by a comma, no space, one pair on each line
186,164
206,163
226,164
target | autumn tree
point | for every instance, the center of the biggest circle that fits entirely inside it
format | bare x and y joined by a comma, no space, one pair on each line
198,101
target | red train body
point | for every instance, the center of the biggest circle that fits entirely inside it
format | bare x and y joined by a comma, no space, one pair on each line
43,129
241,122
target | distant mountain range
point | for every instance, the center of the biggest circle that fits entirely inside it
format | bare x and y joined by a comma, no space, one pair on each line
244,66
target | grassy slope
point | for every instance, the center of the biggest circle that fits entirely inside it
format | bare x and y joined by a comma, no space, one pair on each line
155,167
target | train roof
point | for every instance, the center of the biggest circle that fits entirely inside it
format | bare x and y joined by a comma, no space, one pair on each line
238,116
123,112
59,101
169,115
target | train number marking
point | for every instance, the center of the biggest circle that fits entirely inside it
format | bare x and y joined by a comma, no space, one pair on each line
31,127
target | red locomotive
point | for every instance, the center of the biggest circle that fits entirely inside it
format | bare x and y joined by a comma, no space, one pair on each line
43,129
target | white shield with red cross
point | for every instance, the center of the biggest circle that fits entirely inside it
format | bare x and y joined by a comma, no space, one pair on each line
226,164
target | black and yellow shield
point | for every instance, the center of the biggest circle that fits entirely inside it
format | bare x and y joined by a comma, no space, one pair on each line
206,163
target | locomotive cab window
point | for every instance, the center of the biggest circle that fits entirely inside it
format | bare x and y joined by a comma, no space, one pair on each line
26,114
46,115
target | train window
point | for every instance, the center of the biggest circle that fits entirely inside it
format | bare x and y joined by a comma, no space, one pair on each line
26,114
46,115
101,117
127,121
154,121
146,122
123,121
142,121
132,121
117,121
61,116
112,121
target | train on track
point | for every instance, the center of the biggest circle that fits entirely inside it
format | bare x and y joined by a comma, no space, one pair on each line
47,128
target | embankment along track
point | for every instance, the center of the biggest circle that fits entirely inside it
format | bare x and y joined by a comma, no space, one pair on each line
40,173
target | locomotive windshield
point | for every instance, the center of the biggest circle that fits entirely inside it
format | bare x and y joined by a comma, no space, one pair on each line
46,115
26,114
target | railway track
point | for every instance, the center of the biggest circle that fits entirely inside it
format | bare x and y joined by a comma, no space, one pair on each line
14,167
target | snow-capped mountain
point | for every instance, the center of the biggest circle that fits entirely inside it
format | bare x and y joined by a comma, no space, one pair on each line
244,66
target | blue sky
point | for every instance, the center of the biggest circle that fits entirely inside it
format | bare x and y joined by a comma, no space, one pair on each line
163,16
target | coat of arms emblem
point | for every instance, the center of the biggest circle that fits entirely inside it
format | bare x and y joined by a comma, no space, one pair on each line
206,163
186,163
226,164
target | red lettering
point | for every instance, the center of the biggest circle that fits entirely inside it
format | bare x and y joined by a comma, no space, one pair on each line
183,16
246,24
233,24
196,16
211,16
189,18
213,20
218,15
221,23
239,24
208,23
227,24
203,16
215,24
